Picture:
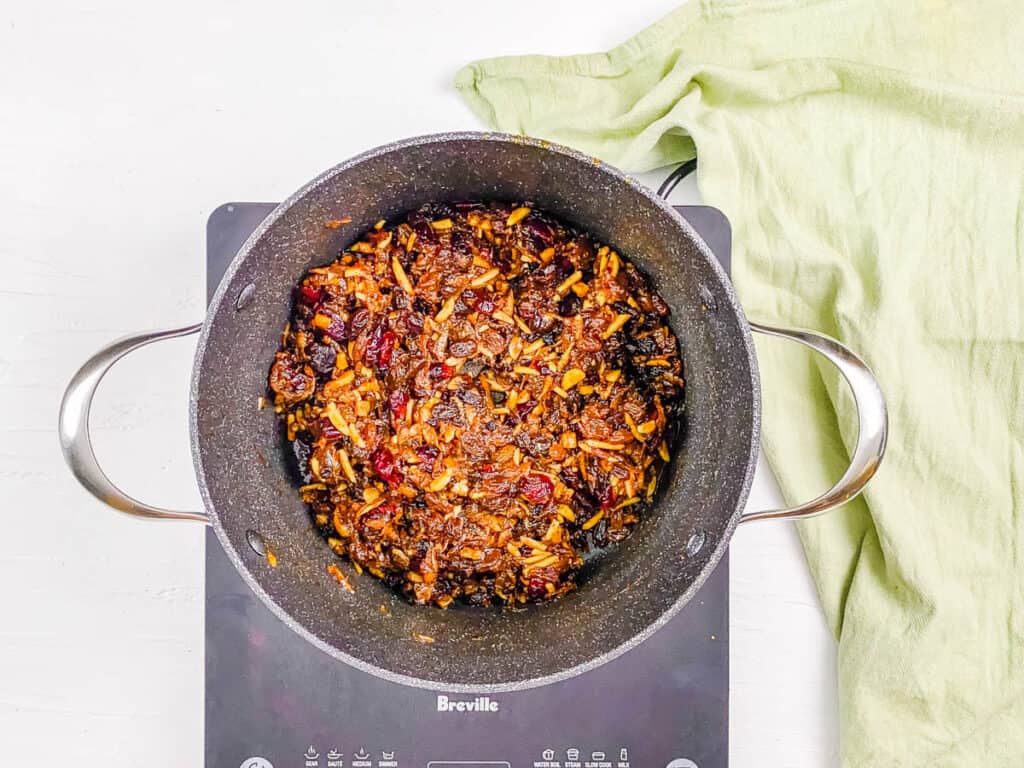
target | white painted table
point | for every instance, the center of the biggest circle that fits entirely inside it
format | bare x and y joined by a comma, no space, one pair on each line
122,125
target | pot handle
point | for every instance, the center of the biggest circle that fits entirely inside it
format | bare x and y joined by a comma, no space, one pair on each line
76,442
872,420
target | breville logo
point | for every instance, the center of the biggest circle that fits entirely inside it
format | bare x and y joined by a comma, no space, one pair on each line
479,704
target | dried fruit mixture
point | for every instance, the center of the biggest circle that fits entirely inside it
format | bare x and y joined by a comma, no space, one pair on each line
475,398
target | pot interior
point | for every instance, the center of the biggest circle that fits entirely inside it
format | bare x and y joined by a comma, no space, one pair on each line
628,591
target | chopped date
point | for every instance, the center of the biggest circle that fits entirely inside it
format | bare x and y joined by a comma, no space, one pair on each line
461,426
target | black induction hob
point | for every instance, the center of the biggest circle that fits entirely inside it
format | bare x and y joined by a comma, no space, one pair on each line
275,701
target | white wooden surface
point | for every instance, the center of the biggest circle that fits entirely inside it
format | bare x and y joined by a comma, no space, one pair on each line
122,125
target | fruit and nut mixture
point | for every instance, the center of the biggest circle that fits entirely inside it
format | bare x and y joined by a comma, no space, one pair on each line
475,398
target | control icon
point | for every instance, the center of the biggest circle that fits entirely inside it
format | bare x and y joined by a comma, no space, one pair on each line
311,753
548,754
362,754
256,762
572,754
334,759
624,754
598,756
387,755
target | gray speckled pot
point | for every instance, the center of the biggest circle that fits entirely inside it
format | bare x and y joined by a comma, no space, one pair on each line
627,593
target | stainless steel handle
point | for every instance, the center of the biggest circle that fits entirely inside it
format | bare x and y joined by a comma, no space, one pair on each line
76,442
872,420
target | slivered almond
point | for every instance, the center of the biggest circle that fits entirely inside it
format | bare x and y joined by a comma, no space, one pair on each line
400,276
441,225
346,465
616,324
571,378
485,278
516,216
565,511
533,347
593,521
525,370
568,283
604,445
646,428
446,309
547,254
632,428
440,481
663,451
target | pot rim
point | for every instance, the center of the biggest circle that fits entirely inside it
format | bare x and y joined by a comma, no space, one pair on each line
220,295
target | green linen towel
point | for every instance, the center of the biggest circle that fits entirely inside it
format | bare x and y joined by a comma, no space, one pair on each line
870,156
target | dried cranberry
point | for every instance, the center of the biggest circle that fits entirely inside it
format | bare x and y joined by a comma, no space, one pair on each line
309,294
384,464
537,587
542,232
386,350
523,409
484,304
439,371
536,489
328,430
602,489
428,455
381,346
399,403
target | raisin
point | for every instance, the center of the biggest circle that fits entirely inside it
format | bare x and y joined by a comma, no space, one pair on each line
321,357
398,401
485,305
463,348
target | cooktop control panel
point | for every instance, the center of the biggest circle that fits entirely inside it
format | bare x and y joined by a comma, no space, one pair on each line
275,701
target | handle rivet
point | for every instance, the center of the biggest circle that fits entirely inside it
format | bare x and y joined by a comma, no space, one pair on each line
707,298
245,296
256,541
696,542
